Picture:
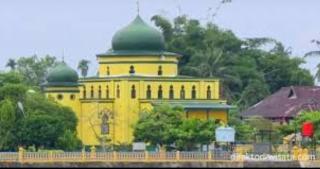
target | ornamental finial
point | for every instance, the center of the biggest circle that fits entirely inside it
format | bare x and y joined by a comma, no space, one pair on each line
62,55
138,7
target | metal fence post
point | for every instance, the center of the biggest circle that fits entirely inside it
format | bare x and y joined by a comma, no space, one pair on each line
146,155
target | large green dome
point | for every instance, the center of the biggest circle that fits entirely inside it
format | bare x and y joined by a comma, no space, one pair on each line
138,36
62,73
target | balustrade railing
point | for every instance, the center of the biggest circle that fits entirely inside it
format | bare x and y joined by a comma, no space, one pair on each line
177,156
52,156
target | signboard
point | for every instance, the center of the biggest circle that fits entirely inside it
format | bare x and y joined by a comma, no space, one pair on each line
307,129
139,146
225,134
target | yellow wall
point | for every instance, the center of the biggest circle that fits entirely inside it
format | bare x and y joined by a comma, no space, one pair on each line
143,65
211,114
123,112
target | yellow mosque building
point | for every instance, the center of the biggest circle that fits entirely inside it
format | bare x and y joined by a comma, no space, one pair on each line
134,75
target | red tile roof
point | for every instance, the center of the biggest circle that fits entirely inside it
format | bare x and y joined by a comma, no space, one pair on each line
287,102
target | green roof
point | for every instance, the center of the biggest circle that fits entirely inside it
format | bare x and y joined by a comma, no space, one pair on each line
197,105
138,36
62,74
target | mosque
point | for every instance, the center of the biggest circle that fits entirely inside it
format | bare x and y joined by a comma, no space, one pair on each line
133,76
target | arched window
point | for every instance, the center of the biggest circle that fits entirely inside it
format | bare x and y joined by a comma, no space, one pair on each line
105,124
99,92
208,92
133,92
171,92
131,71
60,97
149,92
92,92
160,92
108,70
72,97
160,70
193,93
182,93
118,91
84,92
107,92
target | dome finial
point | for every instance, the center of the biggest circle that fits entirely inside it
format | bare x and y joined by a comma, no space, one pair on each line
62,55
138,7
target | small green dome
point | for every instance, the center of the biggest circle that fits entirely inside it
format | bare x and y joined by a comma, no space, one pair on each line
138,36
62,73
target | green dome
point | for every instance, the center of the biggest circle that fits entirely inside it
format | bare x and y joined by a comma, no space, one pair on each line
138,36
62,73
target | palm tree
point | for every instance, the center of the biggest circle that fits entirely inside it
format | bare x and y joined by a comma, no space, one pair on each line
211,63
315,53
12,64
83,66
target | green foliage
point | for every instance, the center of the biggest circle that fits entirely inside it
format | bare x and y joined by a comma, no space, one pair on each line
244,131
165,125
247,69
15,92
315,53
10,78
12,64
7,121
69,141
40,130
159,126
39,122
34,69
83,66
296,124
194,131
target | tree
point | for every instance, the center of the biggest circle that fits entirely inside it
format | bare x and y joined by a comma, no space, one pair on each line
315,53
69,141
318,72
244,66
7,121
296,124
193,132
12,64
165,125
210,63
34,69
42,123
158,127
244,131
83,66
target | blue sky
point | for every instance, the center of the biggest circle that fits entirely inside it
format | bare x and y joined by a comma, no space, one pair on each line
83,28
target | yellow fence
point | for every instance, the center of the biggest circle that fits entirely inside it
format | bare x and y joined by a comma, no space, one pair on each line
22,156
51,156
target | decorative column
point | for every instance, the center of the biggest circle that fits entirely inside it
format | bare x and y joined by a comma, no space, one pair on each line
93,153
20,154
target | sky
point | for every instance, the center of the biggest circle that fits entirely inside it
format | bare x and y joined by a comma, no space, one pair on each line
80,29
